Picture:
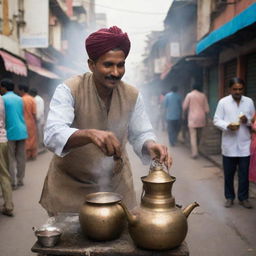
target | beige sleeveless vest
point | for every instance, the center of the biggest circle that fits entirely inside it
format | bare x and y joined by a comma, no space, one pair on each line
86,169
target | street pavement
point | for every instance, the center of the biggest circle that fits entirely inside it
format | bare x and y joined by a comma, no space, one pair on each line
213,229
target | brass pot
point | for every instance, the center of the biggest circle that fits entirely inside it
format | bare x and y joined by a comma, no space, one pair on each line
101,217
158,224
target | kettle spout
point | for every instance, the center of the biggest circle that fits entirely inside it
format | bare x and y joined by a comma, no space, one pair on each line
132,219
189,209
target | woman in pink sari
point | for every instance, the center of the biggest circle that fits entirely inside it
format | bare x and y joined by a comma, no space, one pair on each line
252,169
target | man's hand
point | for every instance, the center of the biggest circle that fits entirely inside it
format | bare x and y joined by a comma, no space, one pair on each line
233,126
243,119
159,152
106,141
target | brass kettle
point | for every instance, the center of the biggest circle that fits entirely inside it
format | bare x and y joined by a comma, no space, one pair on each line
158,224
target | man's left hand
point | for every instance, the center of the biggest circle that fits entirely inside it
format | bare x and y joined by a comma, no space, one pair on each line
243,119
159,152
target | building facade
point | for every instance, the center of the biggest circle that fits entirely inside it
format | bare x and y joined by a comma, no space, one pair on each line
213,41
43,50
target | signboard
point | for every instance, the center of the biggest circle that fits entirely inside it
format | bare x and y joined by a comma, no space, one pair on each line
36,30
159,65
175,49
6,26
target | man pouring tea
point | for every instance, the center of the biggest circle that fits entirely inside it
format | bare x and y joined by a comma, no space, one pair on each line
91,118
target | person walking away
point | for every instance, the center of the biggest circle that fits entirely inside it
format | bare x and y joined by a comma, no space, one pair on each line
91,118
5,179
39,117
30,119
173,112
252,166
233,116
196,104
16,132
161,122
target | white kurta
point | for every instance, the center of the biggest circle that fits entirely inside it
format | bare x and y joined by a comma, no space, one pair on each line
61,116
234,143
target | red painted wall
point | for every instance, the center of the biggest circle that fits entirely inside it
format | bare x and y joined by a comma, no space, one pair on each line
231,11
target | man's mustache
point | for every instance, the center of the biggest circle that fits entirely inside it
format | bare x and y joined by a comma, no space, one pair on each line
111,77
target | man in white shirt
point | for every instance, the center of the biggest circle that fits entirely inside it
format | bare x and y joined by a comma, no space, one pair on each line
233,115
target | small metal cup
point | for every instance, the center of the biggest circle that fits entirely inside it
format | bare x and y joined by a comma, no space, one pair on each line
48,237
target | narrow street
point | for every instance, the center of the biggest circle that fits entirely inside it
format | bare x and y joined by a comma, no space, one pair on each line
213,229
194,63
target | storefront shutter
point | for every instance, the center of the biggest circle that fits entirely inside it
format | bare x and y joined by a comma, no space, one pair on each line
251,77
229,72
211,137
213,87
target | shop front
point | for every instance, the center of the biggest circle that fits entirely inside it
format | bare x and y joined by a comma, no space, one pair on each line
12,67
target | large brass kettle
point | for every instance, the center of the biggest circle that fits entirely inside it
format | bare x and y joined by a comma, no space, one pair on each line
158,224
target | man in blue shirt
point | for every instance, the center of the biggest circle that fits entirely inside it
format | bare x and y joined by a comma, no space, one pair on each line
16,131
173,111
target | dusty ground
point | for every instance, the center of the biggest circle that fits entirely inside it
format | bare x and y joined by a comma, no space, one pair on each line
213,229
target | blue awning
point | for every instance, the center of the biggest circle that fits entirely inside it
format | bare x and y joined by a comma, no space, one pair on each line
242,20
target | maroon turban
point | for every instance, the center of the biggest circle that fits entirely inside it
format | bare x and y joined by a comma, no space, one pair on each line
104,40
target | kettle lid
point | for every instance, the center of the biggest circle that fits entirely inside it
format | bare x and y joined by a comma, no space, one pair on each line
158,175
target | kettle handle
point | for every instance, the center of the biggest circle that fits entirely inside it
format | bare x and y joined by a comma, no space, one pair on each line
142,193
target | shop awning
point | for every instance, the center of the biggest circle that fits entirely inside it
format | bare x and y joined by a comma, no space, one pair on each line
242,20
13,64
43,72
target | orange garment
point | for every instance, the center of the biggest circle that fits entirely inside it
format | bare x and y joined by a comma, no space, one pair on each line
30,119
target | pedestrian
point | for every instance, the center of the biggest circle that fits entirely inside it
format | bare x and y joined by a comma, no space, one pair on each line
196,104
30,119
5,179
153,109
232,116
91,118
161,122
173,112
252,167
16,132
39,117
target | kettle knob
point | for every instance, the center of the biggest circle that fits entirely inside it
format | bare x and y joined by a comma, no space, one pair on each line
157,166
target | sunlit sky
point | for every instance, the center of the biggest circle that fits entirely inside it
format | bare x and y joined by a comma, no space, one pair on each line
137,18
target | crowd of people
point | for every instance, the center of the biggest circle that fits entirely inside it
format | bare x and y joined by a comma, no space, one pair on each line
236,118
91,118
21,125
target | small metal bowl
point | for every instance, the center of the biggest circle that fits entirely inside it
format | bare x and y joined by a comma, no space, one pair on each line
48,237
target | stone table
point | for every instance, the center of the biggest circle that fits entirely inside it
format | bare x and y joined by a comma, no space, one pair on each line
73,243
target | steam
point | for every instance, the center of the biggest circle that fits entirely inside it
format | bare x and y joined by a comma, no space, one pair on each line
104,169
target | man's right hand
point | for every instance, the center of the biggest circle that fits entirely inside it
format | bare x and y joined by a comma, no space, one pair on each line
106,141
233,126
